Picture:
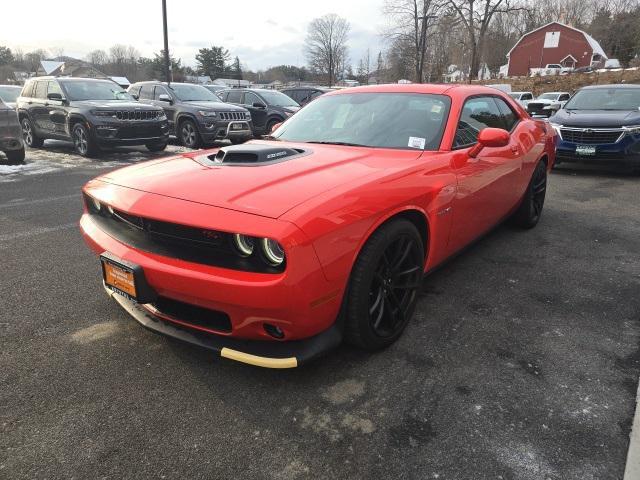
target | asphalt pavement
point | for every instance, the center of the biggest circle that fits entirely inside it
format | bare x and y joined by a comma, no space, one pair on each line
522,361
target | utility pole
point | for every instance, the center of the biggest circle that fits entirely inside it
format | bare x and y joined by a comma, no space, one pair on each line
167,63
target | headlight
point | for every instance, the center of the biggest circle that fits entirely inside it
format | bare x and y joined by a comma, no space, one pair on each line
206,113
556,127
96,204
288,114
633,129
273,251
103,113
161,115
244,244
247,116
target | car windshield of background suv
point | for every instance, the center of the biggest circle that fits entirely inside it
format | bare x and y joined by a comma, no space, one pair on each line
194,93
279,99
548,96
384,120
605,99
95,91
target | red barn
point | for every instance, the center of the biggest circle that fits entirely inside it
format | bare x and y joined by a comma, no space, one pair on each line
557,43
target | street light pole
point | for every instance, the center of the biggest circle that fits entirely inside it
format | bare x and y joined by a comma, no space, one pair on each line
167,63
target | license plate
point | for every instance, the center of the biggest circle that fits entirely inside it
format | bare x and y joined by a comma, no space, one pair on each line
237,126
119,278
585,150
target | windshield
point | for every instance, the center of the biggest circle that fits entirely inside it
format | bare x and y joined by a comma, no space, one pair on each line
548,96
9,94
605,99
193,93
278,99
92,90
385,120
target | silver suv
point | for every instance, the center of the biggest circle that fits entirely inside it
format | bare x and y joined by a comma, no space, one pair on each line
10,135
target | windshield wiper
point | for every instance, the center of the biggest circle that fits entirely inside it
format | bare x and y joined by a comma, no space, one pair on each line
346,144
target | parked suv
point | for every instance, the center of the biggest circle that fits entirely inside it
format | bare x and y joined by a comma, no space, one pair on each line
196,115
547,104
10,135
523,98
600,124
304,95
93,113
267,107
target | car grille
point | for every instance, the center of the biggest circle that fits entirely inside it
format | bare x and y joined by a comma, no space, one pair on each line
138,114
192,244
191,315
591,135
232,116
139,131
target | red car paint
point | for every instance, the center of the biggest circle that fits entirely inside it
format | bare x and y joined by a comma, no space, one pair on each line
322,209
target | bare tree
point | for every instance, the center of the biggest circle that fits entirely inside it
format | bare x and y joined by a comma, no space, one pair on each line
97,58
476,17
326,45
409,22
364,68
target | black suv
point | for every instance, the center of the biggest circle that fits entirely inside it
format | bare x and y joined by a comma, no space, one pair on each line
92,113
267,107
196,116
304,95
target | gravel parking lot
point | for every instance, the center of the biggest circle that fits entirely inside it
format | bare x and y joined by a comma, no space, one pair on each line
522,363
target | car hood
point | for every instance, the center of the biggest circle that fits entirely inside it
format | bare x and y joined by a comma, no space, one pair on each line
269,190
543,101
596,118
217,106
113,104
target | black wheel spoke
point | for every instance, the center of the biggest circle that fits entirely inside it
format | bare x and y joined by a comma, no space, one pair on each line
378,320
377,302
406,272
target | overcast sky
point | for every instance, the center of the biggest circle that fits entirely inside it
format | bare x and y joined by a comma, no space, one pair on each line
262,33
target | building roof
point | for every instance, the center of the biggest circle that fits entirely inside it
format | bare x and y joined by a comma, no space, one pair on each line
49,66
593,43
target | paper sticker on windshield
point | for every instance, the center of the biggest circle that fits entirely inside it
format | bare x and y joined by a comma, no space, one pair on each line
417,142
435,108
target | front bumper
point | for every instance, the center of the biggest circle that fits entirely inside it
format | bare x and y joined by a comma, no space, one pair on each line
10,143
224,130
265,354
625,152
110,133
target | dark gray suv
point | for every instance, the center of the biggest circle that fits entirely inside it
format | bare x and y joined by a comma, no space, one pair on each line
196,116
93,113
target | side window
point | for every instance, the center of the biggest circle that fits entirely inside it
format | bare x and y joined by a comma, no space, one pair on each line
527,96
41,90
53,87
235,96
477,113
251,98
508,115
146,92
564,97
316,94
160,90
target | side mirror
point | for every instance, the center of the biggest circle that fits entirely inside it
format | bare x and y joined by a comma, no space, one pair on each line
275,127
490,137
163,97
259,105
135,96
55,96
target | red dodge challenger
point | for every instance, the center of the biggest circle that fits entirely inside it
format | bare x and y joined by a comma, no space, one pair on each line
273,252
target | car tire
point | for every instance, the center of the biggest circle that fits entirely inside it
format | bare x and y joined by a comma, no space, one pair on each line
82,141
384,286
29,134
530,210
15,157
156,147
189,135
270,125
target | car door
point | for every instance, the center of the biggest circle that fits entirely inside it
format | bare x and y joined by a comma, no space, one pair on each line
488,183
169,107
57,111
39,112
258,109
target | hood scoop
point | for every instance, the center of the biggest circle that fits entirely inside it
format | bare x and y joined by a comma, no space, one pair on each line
254,155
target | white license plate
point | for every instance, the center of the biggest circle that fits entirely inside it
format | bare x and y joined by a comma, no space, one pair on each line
585,150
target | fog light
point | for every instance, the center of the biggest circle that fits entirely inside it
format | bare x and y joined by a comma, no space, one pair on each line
274,331
108,132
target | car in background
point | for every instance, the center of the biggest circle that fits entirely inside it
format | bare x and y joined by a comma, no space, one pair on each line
304,95
600,124
9,94
10,135
196,116
274,251
523,98
267,107
215,88
92,113
547,104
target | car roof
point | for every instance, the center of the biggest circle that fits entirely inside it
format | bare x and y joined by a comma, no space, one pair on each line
72,79
11,86
432,88
613,85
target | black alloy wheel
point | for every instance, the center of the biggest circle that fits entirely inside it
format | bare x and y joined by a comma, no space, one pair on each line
29,135
384,287
530,210
189,135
